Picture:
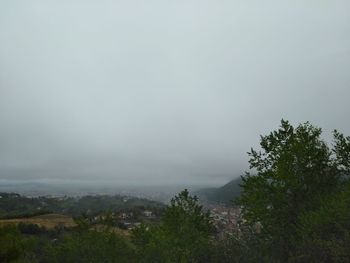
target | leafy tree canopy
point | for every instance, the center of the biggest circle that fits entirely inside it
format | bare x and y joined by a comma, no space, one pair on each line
291,174
183,236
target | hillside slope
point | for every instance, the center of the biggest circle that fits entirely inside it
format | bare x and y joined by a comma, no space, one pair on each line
224,194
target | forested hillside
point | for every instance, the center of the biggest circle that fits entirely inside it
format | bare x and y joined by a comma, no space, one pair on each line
15,205
225,194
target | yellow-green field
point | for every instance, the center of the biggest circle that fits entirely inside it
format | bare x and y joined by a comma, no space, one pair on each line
48,221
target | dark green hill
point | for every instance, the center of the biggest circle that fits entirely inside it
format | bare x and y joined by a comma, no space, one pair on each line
224,194
13,205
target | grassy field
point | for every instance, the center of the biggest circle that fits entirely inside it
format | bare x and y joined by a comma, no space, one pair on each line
48,221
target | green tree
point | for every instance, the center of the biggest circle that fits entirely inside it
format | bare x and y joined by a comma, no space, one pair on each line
184,234
14,247
292,173
325,232
91,246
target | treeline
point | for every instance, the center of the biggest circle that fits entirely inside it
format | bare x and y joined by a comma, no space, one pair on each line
13,205
295,208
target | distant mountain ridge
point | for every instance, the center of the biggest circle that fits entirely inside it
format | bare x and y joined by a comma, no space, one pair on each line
224,194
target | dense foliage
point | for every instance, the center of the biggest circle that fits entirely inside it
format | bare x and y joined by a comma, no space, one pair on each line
90,246
298,179
184,234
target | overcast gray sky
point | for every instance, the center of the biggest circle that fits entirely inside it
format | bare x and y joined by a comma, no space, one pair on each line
163,91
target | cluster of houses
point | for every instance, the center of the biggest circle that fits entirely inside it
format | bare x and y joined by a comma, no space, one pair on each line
226,220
